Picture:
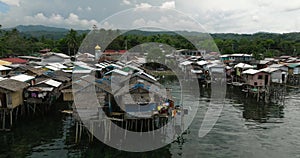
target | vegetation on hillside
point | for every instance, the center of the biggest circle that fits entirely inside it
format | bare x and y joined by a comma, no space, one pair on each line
14,42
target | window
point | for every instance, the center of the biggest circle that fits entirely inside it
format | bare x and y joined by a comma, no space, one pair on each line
260,77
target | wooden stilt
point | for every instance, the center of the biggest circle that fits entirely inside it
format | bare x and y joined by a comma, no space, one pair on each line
11,117
76,133
142,120
80,132
148,121
34,107
109,130
17,113
136,124
105,130
126,123
28,112
3,123
92,131
258,92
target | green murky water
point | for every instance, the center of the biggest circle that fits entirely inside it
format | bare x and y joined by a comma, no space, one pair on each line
244,129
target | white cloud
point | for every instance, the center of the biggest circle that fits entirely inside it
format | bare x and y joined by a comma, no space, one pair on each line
79,9
107,25
127,2
172,22
168,5
11,2
143,6
242,16
72,20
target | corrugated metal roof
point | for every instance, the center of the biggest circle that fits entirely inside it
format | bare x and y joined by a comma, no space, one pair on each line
202,62
22,77
196,71
12,85
263,62
277,65
4,68
52,68
3,62
51,82
57,65
269,70
40,89
243,66
148,75
241,55
82,71
115,65
15,60
250,71
57,54
293,65
118,72
185,63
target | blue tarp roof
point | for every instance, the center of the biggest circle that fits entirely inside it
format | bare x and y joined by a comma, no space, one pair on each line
140,108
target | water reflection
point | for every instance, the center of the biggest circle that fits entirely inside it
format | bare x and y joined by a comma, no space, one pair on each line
244,129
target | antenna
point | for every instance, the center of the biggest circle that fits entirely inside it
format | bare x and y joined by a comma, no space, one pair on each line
95,27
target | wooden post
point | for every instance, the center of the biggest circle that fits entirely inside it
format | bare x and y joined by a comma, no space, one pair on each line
258,93
142,126
105,130
109,130
28,109
76,132
17,112
11,117
109,103
126,122
34,106
153,126
80,131
92,131
148,122
3,125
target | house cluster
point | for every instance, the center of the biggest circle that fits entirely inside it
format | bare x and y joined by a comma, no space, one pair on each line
124,87
243,70
31,84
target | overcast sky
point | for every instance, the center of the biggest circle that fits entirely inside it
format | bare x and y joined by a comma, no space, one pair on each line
238,16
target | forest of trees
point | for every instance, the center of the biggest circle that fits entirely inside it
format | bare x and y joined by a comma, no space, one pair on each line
14,42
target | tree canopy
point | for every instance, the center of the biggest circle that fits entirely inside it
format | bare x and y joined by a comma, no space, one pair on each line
14,42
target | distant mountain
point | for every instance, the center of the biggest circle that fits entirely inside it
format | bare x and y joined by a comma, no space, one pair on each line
172,33
39,31
37,28
49,32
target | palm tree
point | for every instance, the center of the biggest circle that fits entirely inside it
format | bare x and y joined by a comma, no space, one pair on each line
72,41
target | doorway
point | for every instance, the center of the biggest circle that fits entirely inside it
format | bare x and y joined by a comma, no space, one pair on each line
3,101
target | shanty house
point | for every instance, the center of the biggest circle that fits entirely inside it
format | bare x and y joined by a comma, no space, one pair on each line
24,78
43,92
257,78
239,68
294,69
235,58
11,93
4,70
52,57
277,75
